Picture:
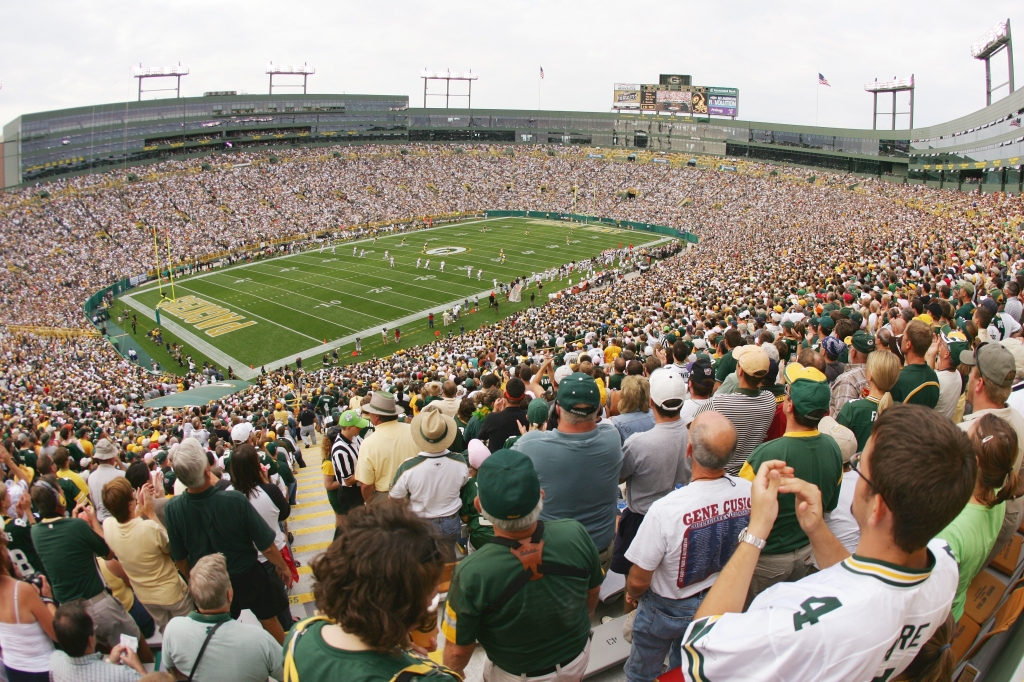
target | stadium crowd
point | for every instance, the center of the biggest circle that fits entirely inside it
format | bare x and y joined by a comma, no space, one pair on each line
738,391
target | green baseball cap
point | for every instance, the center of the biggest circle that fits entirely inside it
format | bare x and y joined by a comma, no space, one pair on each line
827,323
957,343
508,485
350,418
537,411
272,448
579,389
808,389
863,342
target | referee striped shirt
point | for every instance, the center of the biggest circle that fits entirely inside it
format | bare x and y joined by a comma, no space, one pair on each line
751,412
344,455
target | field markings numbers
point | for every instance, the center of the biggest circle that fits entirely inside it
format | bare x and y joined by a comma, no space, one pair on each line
295,291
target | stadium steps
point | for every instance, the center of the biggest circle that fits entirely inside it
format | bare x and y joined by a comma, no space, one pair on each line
312,523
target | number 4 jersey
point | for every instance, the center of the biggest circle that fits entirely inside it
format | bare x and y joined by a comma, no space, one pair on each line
861,619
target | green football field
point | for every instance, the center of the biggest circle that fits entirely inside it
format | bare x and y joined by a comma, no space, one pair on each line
268,312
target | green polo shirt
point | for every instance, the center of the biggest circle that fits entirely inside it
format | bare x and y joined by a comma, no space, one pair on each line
725,366
815,458
216,521
859,416
480,529
917,385
545,623
315,659
965,311
68,549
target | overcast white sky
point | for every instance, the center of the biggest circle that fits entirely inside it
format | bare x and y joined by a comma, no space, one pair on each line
59,53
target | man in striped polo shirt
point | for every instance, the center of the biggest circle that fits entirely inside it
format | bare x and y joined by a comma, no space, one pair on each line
751,410
344,456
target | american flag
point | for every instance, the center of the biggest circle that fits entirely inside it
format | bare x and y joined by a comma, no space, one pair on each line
542,72
1015,123
822,81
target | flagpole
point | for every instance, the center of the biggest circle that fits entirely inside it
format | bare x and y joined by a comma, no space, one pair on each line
817,90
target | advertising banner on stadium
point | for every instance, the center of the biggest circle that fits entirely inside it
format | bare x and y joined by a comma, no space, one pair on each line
723,101
627,96
699,100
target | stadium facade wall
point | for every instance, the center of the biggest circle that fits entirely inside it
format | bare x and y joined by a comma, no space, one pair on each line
983,150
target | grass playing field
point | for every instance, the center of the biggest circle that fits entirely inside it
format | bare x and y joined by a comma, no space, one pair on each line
270,311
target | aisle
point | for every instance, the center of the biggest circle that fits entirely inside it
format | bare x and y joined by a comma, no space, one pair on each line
312,523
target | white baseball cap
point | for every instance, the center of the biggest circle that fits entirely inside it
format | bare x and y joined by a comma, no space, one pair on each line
241,432
666,386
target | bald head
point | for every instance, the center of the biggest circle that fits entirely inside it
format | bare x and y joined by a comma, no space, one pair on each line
712,440
449,389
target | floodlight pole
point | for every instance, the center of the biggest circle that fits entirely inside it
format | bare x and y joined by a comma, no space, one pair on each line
997,38
176,72
896,85
448,77
305,71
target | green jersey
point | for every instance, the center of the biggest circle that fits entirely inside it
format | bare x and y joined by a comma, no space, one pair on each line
965,312
917,385
316,660
545,622
68,549
481,531
18,534
816,458
724,367
859,416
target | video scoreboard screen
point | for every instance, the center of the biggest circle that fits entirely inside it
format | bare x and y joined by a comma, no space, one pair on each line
687,99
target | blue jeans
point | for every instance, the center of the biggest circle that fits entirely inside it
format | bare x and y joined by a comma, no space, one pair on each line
450,530
142,618
658,630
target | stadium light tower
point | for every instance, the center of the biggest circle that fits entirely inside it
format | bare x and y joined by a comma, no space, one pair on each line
142,73
895,85
284,70
448,77
997,38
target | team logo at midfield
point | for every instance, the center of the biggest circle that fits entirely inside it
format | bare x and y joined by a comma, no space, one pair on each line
445,250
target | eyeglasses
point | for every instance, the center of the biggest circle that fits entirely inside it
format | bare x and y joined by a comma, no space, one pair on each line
855,465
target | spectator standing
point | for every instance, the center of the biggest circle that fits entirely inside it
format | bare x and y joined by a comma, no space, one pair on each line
449,403
231,651
432,480
918,383
68,549
106,455
634,407
508,417
883,371
835,613
307,425
77,659
973,533
840,520
850,384
654,462
344,458
726,365
751,410
578,462
374,584
702,382
681,546
814,458
206,520
133,533
951,382
527,607
988,388
26,624
384,450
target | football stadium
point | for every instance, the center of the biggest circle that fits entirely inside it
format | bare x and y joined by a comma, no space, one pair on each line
334,386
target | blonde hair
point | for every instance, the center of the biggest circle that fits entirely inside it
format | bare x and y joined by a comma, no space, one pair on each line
635,396
884,371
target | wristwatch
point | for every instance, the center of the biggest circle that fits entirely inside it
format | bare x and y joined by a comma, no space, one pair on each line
751,540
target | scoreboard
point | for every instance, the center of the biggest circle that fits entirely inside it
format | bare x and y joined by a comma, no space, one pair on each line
687,99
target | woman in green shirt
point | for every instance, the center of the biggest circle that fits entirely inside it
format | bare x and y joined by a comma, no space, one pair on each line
882,373
972,534
375,584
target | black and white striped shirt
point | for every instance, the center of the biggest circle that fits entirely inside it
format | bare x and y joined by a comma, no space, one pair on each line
344,456
751,413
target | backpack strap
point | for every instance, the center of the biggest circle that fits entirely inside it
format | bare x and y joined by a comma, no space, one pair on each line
202,650
291,673
530,555
422,669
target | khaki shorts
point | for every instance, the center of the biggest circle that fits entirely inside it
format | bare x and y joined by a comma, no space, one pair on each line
110,620
777,568
572,671
162,613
